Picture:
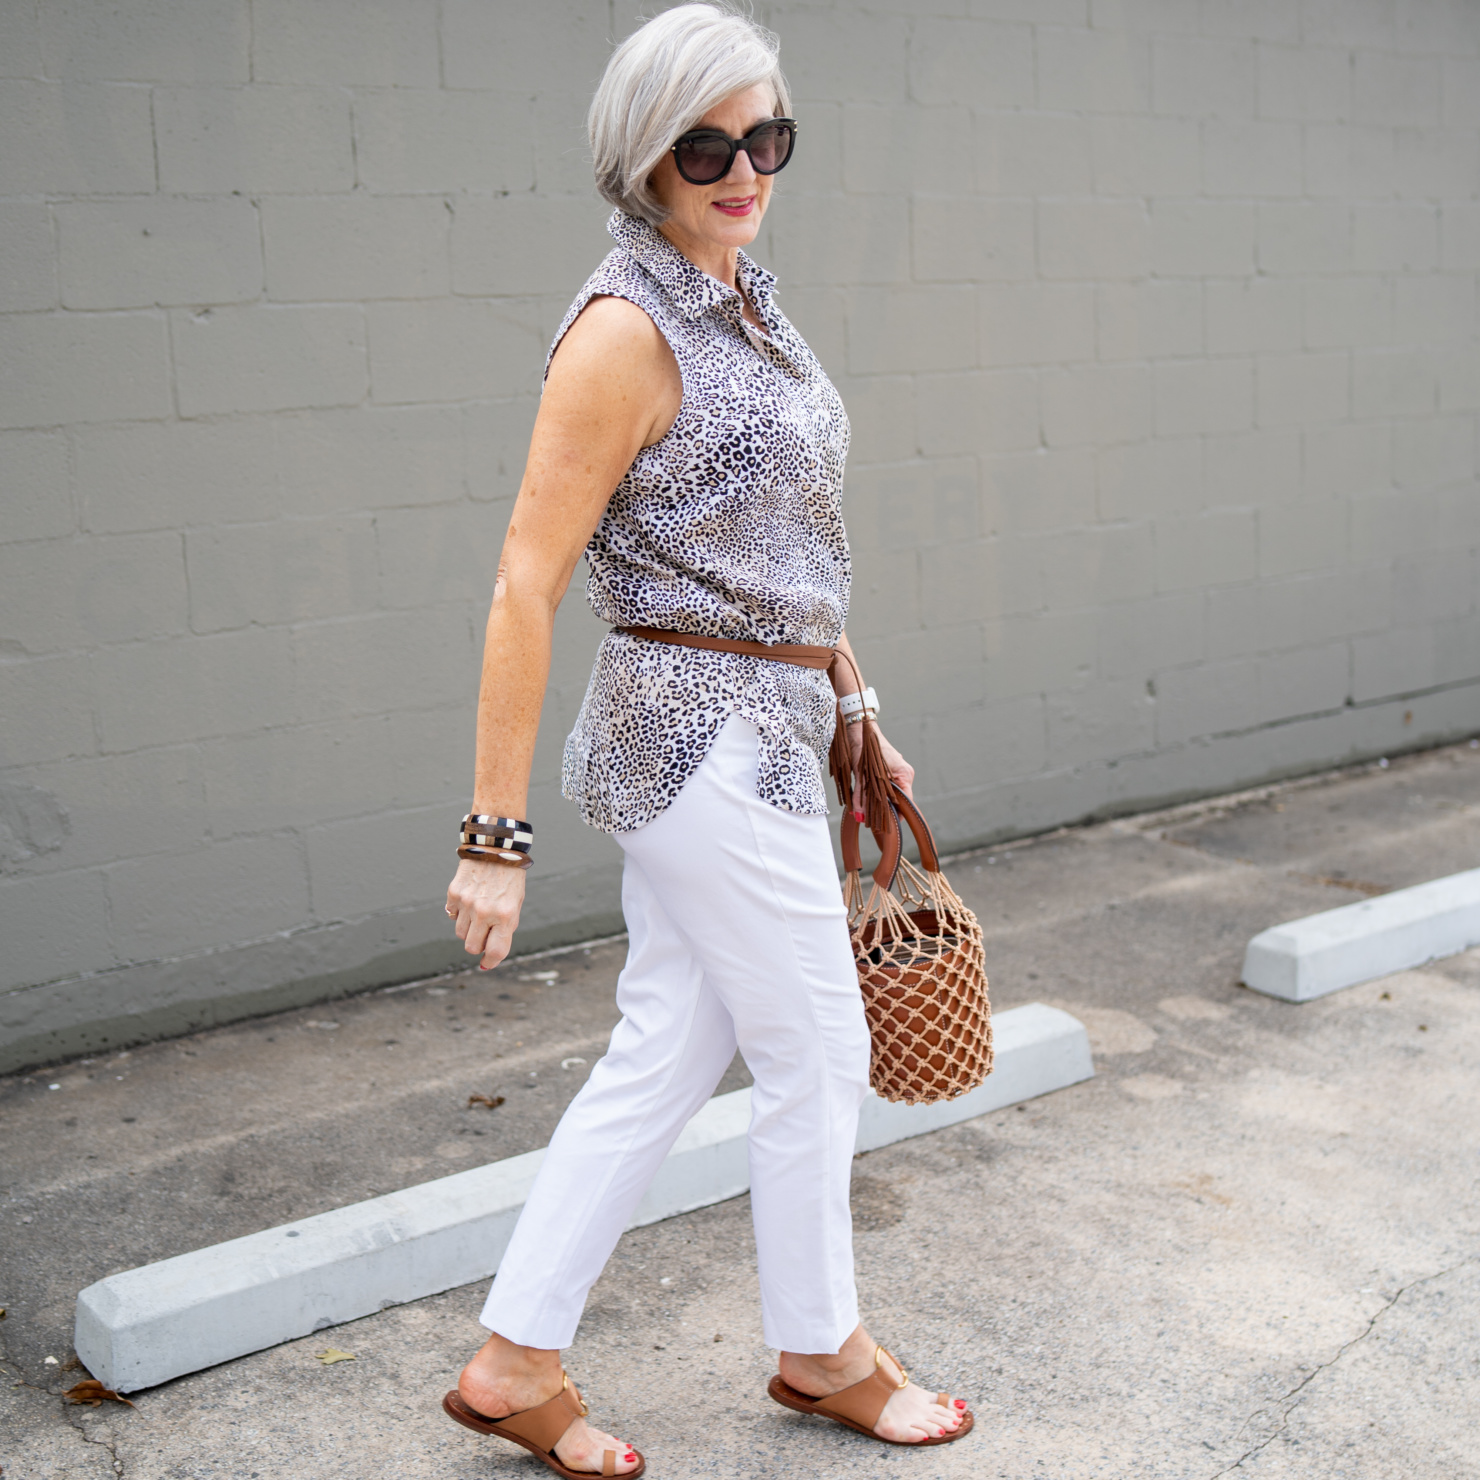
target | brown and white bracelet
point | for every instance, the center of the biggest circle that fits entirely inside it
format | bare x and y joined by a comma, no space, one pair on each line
496,839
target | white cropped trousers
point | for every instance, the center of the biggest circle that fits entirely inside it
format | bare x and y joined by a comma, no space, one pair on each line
738,937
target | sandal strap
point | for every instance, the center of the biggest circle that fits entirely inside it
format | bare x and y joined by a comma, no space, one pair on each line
864,1401
546,1423
608,1461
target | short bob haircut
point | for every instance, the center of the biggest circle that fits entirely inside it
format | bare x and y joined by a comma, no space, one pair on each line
661,81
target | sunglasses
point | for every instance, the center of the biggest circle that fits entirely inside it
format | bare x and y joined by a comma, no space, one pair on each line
705,155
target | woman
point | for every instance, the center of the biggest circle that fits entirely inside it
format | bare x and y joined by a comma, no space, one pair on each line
689,443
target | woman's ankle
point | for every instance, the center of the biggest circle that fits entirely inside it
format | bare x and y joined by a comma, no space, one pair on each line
500,1361
836,1369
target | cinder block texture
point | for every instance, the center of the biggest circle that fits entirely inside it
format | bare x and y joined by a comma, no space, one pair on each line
75,139
355,247
132,253
60,368
146,41
278,140
264,358
1156,320
28,270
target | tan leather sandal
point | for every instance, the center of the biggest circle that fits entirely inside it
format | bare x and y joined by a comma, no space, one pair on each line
540,1429
859,1406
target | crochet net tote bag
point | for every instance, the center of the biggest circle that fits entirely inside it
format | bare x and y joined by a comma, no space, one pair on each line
920,962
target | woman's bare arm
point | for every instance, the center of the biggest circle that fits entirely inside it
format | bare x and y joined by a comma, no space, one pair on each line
613,388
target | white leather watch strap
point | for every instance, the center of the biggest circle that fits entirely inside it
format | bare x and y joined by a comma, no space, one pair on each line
865,703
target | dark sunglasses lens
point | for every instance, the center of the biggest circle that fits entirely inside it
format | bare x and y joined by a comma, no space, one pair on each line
703,159
770,148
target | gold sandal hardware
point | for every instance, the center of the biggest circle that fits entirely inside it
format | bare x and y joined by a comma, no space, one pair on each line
564,1386
880,1354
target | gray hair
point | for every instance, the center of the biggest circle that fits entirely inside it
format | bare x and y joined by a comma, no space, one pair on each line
661,81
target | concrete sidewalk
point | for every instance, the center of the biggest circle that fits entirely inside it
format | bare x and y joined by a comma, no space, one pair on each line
1253,1240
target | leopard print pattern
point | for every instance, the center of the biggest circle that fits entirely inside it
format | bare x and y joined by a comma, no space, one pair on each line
730,526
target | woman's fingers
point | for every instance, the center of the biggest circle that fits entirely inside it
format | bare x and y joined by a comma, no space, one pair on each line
490,933
462,921
499,939
476,936
484,901
496,948
901,772
855,750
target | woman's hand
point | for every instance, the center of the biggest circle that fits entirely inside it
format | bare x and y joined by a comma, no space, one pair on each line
484,900
901,772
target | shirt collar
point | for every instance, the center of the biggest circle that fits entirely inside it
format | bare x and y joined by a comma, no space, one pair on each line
692,289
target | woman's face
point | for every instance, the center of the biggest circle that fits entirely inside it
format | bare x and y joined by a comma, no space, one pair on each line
727,214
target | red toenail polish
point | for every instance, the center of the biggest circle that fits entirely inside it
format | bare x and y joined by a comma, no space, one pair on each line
960,1402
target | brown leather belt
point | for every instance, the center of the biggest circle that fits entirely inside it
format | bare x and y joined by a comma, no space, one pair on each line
802,654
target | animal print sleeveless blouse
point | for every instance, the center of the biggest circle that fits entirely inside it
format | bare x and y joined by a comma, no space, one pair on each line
729,526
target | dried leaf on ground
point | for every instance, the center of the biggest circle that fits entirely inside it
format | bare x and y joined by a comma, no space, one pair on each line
92,1393
328,1358
1334,881
492,1101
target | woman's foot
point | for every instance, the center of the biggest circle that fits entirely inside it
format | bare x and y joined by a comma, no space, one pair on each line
504,1378
911,1414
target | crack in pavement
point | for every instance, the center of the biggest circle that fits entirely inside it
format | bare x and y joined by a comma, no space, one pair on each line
74,1421
1292,1397
70,1416
21,1381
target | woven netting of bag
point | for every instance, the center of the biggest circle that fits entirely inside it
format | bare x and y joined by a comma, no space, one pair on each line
922,971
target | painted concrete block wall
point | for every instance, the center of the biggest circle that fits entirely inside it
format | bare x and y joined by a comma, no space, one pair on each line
1156,320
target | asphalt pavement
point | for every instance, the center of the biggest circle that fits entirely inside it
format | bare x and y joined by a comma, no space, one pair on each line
1250,1245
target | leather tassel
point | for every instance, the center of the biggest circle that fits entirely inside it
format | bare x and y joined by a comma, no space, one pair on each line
876,782
874,773
840,763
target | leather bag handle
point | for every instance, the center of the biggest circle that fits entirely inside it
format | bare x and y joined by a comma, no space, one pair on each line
890,848
891,843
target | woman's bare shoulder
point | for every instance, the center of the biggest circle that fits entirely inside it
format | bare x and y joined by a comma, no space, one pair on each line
611,328
616,358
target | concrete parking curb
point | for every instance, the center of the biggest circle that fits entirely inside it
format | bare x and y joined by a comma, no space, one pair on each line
147,1325
1323,953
